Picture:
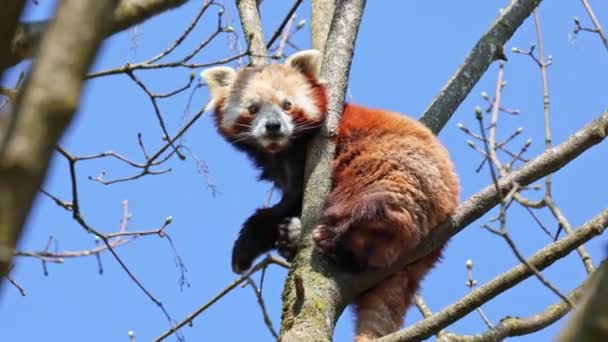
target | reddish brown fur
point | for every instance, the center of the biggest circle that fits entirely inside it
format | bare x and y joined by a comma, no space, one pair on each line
218,115
392,183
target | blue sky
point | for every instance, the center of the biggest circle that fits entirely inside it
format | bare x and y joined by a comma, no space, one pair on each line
405,53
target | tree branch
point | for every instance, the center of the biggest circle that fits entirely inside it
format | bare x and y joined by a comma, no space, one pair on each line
43,110
257,267
487,50
596,23
541,260
283,25
312,316
321,20
515,326
127,14
252,28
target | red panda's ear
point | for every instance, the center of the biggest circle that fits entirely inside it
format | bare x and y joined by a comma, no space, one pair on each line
307,62
218,80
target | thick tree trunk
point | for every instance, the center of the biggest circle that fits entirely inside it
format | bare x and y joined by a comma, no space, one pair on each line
311,306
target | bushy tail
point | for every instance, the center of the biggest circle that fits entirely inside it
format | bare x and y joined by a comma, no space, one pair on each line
380,310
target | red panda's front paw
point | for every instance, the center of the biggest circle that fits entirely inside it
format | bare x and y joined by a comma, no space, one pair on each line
241,257
289,236
325,238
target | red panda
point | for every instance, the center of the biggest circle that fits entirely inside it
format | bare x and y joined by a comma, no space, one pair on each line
392,181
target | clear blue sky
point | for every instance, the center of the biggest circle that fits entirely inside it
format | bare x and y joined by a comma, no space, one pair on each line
406,51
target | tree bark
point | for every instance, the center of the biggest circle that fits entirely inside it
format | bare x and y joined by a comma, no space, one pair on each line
252,28
323,12
309,310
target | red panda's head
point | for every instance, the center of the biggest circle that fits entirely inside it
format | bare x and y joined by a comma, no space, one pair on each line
270,105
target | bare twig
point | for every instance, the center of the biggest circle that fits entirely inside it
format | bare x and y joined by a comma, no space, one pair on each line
284,37
471,284
13,282
290,14
596,23
258,295
128,13
514,326
184,61
565,224
78,217
259,266
546,108
535,271
159,116
119,238
176,64
156,159
505,200
548,200
184,34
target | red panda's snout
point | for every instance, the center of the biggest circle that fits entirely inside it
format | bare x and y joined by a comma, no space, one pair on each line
272,128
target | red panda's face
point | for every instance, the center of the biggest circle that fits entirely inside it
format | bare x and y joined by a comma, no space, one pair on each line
268,106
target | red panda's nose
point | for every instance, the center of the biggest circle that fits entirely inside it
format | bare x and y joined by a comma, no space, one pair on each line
273,127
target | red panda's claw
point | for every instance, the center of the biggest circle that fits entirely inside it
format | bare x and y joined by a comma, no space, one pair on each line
330,243
324,238
289,236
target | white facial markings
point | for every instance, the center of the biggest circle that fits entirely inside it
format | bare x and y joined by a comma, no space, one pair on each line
210,107
259,123
305,101
281,95
287,124
231,113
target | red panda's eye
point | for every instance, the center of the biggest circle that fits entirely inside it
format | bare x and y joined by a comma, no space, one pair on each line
253,109
286,105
